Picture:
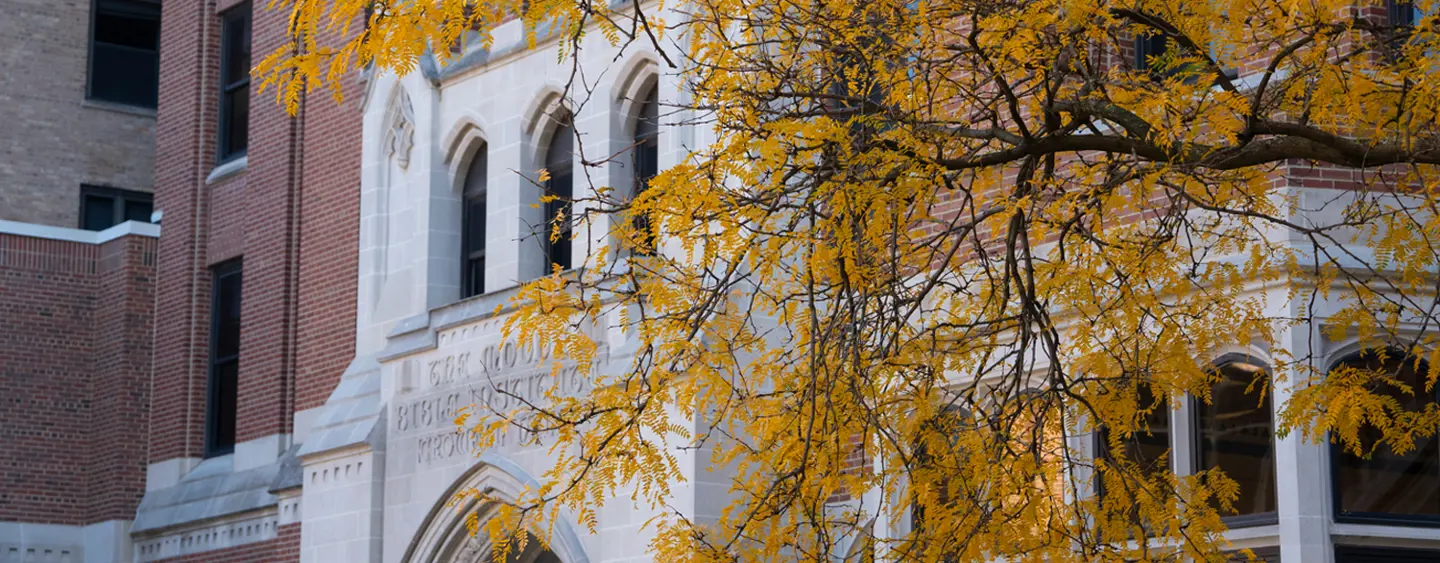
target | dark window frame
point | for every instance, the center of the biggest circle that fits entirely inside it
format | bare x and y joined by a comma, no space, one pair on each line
472,284
1236,520
242,14
216,445
119,196
1337,450
95,6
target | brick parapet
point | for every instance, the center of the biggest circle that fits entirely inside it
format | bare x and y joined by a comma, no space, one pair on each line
74,371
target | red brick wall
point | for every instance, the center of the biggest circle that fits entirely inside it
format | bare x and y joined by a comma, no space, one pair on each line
184,156
285,547
292,215
329,243
74,372
120,380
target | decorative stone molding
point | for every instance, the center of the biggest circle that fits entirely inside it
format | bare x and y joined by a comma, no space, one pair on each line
239,530
289,509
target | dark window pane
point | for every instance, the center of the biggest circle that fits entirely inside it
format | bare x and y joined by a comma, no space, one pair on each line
1148,47
224,358
124,76
1366,554
473,282
227,315
237,121
124,55
138,211
647,159
1236,434
558,161
224,386
1399,485
99,212
472,219
236,45
474,277
235,82
474,226
1149,447
1402,13
136,30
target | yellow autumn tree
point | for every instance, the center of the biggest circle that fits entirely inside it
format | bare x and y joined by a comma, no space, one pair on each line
935,246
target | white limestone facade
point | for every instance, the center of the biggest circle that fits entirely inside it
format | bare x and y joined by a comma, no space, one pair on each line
383,458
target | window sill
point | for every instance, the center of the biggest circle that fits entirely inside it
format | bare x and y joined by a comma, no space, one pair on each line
227,169
118,108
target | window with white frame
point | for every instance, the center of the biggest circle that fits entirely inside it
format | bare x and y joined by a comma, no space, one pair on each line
1234,431
1385,486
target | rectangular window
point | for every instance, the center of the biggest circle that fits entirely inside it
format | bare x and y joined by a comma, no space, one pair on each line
1148,448
102,208
1401,13
234,82
224,359
125,52
1147,47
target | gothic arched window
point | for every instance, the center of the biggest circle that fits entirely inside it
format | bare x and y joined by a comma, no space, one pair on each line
647,157
559,156
472,221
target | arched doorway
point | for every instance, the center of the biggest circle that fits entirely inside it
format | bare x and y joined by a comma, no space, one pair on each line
444,538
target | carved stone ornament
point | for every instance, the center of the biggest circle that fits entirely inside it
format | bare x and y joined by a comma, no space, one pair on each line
400,137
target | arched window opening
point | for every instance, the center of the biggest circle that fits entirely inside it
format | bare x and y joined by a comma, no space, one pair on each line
472,221
1236,433
560,187
1390,486
1148,448
647,159
936,472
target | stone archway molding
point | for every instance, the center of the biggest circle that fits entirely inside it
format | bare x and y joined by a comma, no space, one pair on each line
443,537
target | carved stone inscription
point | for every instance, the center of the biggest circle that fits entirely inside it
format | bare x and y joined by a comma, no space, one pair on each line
498,377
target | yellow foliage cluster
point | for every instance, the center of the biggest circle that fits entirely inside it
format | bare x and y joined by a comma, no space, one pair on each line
952,238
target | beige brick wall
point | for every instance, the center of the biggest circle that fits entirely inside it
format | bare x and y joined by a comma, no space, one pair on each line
51,139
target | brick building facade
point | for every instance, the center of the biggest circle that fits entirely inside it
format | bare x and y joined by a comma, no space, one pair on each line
255,303
74,387
77,273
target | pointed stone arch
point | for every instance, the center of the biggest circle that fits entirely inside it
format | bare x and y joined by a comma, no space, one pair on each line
461,143
639,74
444,538
541,119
